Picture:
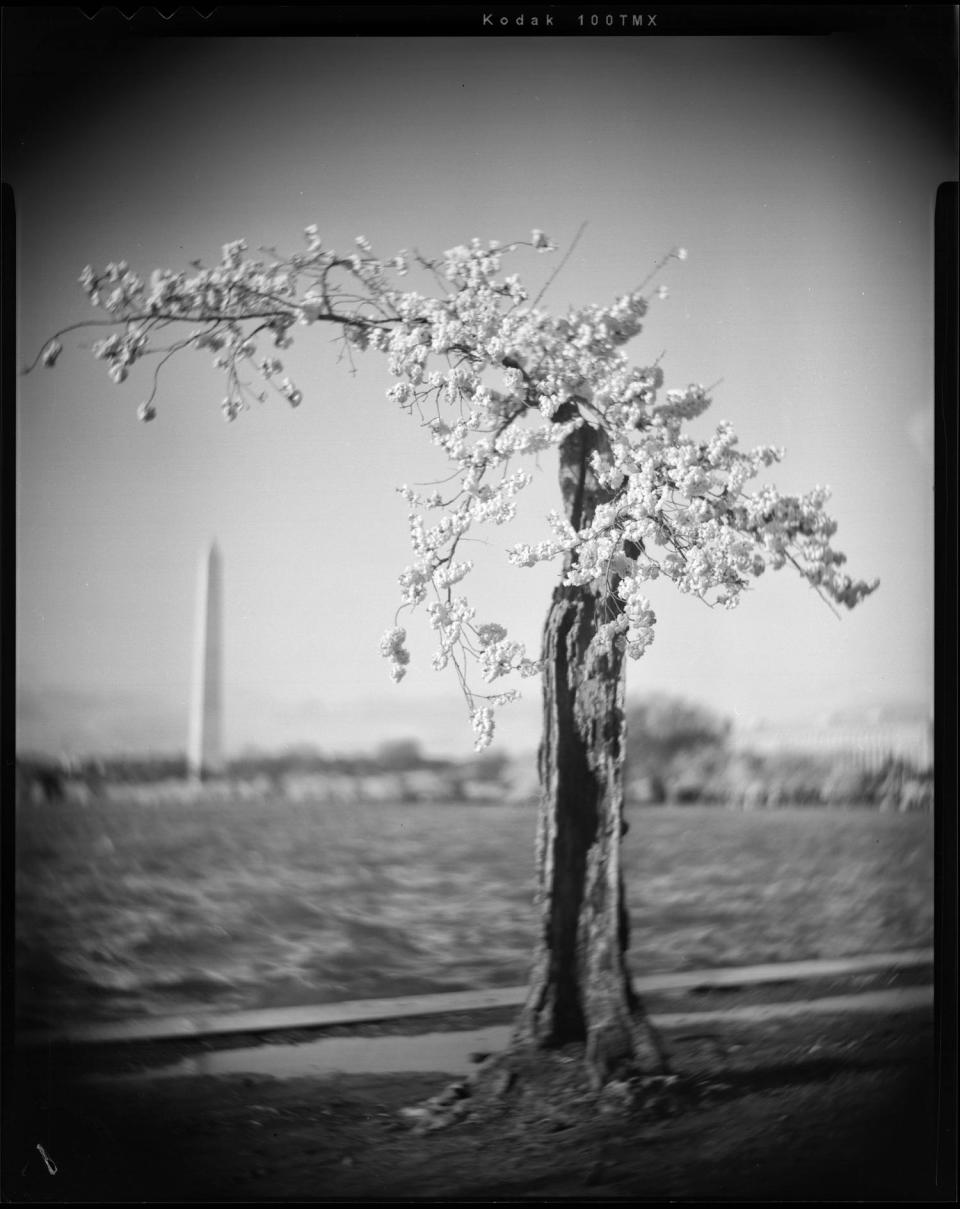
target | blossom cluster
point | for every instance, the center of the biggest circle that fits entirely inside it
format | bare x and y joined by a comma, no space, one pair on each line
494,378
392,647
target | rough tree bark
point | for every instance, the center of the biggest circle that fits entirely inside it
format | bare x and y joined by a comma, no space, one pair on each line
580,988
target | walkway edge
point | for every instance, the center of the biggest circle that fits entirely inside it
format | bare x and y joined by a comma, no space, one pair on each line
895,999
366,1011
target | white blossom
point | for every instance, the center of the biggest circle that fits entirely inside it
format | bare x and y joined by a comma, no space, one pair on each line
483,727
496,380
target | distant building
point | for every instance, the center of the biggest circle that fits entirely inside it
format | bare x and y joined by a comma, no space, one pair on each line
866,746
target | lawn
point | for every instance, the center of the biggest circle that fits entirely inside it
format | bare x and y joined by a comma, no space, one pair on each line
126,911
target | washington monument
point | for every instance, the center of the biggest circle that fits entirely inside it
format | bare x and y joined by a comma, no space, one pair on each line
205,743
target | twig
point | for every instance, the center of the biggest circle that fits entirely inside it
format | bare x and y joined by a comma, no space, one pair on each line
569,253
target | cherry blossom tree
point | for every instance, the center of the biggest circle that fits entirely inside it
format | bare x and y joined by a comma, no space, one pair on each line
494,378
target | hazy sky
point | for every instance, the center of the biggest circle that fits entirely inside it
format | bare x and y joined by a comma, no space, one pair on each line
799,172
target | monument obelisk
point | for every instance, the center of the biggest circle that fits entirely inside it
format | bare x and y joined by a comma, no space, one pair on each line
205,744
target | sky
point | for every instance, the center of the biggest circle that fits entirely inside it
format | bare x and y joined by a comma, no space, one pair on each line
799,172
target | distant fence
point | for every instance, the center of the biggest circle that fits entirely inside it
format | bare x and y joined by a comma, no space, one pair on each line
866,748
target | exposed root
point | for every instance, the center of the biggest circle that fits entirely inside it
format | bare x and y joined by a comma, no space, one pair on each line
550,1088
440,1111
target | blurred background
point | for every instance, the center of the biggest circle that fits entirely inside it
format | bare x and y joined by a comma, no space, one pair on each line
800,172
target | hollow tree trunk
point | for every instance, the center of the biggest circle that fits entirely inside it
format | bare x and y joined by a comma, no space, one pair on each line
580,988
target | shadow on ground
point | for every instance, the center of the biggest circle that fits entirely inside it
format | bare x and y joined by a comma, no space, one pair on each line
840,1108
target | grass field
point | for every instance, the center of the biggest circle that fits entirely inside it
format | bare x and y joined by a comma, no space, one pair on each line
145,910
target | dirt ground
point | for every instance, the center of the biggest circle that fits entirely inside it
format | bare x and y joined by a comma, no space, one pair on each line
838,1107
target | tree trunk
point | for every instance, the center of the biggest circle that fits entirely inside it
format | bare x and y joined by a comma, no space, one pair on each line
580,989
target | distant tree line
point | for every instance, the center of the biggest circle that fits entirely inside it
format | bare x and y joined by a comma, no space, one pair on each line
681,753
678,753
48,777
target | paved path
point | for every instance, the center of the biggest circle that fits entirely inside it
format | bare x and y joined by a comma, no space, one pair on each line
895,999
454,1053
365,1011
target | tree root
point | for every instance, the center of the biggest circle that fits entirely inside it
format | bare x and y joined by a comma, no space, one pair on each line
441,1111
551,1088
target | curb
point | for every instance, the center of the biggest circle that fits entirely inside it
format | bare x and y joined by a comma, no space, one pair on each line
897,999
365,1011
